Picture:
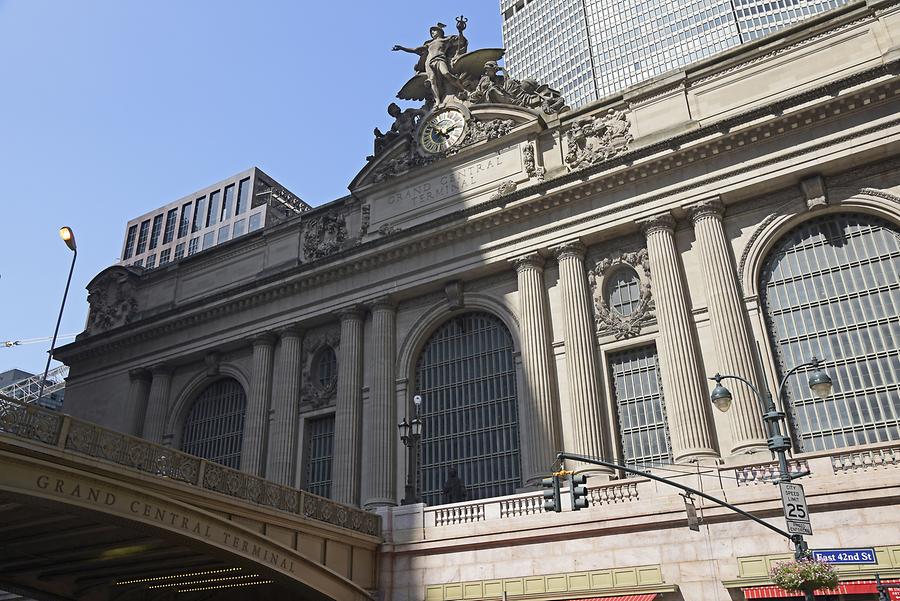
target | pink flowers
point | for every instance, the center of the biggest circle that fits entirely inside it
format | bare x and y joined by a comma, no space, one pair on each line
804,575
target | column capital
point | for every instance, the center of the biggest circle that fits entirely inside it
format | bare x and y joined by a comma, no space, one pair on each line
139,373
263,339
161,369
657,223
569,250
353,312
383,303
289,331
533,260
708,207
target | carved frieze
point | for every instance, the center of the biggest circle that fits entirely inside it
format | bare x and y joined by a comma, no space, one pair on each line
324,236
608,320
592,140
111,297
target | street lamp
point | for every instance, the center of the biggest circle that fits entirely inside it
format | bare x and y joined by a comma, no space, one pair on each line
410,436
778,443
68,236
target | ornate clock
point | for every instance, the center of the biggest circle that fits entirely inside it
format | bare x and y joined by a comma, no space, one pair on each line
442,130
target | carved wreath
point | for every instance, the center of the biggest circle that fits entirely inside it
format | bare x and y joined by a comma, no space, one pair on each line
314,393
610,321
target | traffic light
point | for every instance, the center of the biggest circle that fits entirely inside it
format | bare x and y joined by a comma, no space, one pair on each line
579,492
551,496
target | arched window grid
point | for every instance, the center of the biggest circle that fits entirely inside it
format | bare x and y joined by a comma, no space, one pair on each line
623,291
831,289
214,426
466,377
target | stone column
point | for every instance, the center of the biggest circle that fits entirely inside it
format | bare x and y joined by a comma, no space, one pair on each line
539,435
686,397
585,396
281,461
138,395
380,457
158,403
256,418
345,465
734,349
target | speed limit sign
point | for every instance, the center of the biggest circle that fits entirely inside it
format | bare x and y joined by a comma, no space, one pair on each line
796,513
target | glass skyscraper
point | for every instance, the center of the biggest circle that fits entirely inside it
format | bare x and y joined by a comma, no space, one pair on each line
588,49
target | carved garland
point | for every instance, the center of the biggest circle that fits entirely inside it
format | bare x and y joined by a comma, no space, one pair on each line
325,236
608,320
314,395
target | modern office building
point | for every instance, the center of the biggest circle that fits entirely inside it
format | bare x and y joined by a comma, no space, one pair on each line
223,211
545,282
589,49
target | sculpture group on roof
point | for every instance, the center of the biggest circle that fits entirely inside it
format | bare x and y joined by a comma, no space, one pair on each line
446,70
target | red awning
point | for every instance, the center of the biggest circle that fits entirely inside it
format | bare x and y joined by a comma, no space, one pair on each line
857,587
642,597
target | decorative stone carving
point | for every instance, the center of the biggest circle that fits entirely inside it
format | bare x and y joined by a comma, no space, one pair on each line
404,127
211,360
495,86
315,394
507,186
531,168
387,229
483,130
111,299
325,236
608,320
364,220
453,292
592,140
813,189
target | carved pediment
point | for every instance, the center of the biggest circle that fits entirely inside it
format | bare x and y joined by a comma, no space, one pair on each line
111,297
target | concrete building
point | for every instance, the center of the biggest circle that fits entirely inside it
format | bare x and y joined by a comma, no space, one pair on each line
561,281
590,49
218,213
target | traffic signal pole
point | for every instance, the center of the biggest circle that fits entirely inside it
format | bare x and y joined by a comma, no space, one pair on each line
800,548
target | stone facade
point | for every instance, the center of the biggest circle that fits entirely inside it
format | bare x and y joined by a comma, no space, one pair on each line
718,163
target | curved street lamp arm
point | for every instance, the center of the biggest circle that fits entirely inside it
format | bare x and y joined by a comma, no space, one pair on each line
759,395
813,363
694,491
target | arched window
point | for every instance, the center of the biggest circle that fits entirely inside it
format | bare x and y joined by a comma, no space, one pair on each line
831,289
467,380
623,291
215,424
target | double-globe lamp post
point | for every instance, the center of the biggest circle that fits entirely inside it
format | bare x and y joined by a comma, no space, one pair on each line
778,443
68,236
411,436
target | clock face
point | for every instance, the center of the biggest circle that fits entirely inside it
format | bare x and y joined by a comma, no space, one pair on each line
442,130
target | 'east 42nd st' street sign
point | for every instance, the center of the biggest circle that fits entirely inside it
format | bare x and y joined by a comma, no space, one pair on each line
841,556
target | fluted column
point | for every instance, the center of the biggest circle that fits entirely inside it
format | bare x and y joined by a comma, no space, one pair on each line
381,461
281,460
540,432
256,418
345,465
138,395
734,349
686,397
581,362
158,403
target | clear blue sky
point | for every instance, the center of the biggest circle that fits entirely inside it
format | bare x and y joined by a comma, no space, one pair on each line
111,108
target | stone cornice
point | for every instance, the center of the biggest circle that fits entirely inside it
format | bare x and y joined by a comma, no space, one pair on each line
674,153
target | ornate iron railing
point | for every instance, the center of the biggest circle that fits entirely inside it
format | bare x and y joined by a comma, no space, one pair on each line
35,424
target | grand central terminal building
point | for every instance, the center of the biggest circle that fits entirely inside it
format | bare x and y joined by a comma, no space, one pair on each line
554,280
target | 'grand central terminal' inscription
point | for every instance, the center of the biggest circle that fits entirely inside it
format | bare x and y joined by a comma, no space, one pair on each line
434,192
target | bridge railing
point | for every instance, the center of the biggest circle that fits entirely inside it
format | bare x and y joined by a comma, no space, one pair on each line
51,428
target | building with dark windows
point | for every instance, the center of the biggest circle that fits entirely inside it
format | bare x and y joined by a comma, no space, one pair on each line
226,210
590,49
548,280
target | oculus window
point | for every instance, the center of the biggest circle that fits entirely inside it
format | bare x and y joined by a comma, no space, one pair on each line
467,380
